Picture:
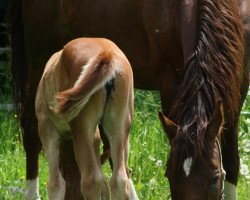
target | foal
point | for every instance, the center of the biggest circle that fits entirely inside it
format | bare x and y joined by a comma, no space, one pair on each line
89,82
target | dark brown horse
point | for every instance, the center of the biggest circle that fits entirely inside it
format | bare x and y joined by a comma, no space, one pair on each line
189,50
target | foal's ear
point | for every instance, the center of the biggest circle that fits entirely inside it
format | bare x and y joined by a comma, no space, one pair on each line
216,121
169,127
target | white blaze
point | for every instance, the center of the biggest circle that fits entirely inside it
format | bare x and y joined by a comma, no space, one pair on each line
187,165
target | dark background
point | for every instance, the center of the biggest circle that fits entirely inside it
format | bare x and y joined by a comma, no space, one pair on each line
5,78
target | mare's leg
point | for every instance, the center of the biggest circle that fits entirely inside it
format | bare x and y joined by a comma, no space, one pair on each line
32,146
230,158
51,140
230,154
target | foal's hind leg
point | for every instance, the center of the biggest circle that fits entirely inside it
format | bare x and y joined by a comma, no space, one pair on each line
91,175
132,193
51,141
119,183
116,127
86,148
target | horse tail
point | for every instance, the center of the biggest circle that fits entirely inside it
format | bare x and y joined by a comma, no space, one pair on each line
17,57
95,74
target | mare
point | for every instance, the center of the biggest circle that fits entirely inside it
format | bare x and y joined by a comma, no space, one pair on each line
89,82
191,51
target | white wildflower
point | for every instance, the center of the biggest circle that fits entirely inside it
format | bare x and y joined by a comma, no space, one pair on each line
159,163
245,158
152,158
246,145
244,170
152,182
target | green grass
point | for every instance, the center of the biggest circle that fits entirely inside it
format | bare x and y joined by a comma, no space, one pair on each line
148,150
148,153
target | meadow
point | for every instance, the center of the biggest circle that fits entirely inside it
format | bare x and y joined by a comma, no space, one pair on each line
149,148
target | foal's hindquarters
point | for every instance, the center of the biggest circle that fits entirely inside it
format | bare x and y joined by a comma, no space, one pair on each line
89,82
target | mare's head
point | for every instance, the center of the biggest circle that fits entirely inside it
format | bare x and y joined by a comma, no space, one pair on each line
194,167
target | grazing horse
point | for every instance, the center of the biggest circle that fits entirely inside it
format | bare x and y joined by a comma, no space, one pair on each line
89,82
191,51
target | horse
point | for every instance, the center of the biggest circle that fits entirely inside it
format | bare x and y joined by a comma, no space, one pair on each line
89,82
191,51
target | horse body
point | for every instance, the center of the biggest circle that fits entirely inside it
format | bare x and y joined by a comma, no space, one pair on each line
161,41
142,21
158,38
93,83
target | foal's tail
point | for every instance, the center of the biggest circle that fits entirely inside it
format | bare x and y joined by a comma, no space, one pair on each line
95,74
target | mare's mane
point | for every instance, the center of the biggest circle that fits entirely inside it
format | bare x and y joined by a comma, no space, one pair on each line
213,72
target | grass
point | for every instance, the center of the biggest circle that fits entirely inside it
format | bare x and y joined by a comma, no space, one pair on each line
148,153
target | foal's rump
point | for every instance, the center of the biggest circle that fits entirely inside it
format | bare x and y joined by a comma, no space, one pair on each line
98,71
95,74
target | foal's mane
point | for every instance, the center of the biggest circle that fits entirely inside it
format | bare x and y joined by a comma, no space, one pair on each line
213,72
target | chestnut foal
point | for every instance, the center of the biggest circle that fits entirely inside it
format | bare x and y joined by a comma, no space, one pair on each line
89,82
